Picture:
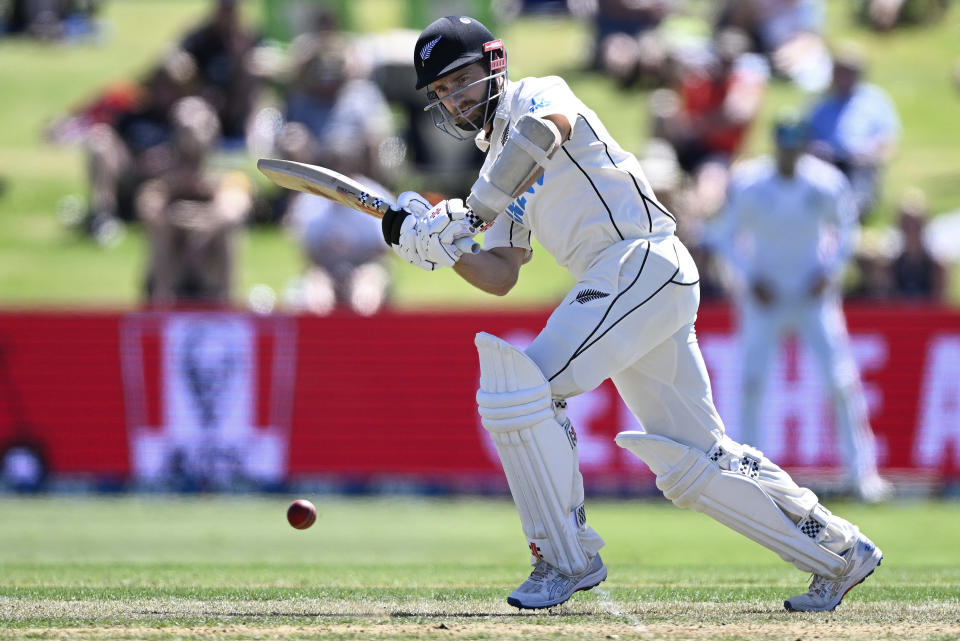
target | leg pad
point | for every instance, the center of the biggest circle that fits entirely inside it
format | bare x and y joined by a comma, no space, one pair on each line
538,453
724,485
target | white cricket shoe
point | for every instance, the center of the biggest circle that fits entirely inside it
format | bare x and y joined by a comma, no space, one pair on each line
825,594
547,586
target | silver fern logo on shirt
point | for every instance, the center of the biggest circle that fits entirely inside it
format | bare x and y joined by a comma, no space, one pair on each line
585,296
428,48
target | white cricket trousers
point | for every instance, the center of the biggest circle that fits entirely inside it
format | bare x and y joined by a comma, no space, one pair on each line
630,319
819,323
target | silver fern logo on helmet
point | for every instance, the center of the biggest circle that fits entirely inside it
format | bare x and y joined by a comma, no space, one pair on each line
428,48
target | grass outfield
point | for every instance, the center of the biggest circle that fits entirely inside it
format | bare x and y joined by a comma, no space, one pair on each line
231,568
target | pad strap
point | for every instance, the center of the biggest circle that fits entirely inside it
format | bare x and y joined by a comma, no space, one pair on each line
512,411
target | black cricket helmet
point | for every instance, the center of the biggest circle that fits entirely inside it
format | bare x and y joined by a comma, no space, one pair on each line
448,45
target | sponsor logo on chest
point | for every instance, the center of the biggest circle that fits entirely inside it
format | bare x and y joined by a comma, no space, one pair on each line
518,208
538,103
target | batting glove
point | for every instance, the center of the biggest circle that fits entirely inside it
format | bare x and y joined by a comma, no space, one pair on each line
407,249
410,203
400,227
438,232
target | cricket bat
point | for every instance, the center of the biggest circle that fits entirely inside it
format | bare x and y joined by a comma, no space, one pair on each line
320,181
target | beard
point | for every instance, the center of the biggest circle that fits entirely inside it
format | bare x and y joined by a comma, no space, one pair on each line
471,118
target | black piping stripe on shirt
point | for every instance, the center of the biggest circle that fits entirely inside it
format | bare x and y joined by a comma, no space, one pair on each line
643,197
655,203
606,150
529,234
580,349
646,207
596,191
677,282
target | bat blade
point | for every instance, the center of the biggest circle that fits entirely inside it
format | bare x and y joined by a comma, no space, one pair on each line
320,181
327,183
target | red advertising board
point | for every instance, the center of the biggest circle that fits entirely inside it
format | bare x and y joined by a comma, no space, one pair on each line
135,395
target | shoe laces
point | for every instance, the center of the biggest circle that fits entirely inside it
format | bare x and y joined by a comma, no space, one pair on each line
541,572
822,586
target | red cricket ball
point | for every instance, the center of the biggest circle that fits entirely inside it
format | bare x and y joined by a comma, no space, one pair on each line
301,514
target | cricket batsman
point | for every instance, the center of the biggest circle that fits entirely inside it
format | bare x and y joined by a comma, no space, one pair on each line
552,170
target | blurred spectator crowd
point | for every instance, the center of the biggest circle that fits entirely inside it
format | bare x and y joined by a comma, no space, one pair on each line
708,81
50,19
162,150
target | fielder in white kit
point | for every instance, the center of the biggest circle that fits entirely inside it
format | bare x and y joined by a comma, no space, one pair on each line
552,170
788,228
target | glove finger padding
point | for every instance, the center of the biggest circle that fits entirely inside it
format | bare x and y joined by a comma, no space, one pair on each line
432,249
406,246
442,226
414,203
426,235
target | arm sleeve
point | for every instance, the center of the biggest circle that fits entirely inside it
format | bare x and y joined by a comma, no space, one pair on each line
506,233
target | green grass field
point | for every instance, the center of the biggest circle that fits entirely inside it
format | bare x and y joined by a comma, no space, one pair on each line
43,263
77,567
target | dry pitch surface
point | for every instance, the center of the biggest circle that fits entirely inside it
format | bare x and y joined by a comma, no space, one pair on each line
155,619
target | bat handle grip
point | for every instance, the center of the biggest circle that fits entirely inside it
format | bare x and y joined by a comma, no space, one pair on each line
467,245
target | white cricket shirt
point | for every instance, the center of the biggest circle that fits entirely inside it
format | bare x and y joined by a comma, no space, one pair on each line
786,231
592,194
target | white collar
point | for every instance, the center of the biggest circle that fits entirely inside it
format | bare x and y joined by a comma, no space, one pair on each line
480,140
501,115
